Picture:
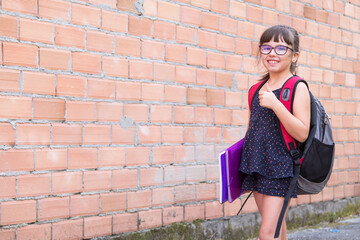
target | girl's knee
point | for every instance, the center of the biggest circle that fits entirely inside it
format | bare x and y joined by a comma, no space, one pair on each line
266,234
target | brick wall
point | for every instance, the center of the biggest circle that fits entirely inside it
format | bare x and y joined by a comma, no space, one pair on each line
112,114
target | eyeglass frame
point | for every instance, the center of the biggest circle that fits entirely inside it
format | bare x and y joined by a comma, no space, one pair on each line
275,49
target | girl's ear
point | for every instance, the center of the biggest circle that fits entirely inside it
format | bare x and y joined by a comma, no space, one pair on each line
295,57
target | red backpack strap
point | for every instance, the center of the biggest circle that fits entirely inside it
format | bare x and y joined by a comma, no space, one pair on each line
255,88
287,99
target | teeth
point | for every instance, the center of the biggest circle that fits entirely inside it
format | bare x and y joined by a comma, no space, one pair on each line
273,62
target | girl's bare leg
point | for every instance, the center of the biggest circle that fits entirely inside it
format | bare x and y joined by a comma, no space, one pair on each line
270,208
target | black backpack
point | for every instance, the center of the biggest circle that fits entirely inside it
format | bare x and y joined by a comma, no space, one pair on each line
313,160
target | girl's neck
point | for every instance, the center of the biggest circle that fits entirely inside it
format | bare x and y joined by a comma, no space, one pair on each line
278,79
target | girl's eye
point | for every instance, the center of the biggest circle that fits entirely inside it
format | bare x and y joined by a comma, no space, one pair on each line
281,48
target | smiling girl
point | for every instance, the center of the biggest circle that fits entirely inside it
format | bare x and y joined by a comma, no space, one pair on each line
265,161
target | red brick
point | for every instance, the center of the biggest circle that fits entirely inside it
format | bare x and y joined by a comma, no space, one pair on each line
195,174
55,59
108,112
150,219
44,31
183,114
190,16
172,134
68,85
121,135
204,115
20,54
137,156
174,174
206,39
100,42
173,214
101,88
213,210
149,134
270,17
97,134
83,158
128,46
175,53
246,29
85,15
54,207
224,79
225,43
111,157
237,9
168,11
33,134
69,229
125,222
215,97
140,26
162,196
54,9
201,3
152,49
210,20
113,202
151,177
233,99
215,60
115,67
196,96
205,153
124,178
66,182
164,30
150,8
196,56
185,193
8,26
175,93
31,232
152,92
137,112
184,154
97,226
185,74
185,34
7,187
38,83
33,185
205,191
193,212
97,181
84,205
164,72
160,113
139,199
141,69
63,134
7,134
128,90
48,109
228,25
163,155
213,134
22,6
80,111
15,212
126,5
17,160
113,21
86,63
205,77
193,135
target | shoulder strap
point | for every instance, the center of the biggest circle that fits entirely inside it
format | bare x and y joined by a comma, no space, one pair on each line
255,88
287,96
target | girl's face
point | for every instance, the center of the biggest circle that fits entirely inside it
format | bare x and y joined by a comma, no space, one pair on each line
277,56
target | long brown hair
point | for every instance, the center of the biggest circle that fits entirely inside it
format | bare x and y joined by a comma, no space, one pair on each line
286,34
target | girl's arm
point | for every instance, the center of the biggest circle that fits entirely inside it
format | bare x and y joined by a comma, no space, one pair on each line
296,124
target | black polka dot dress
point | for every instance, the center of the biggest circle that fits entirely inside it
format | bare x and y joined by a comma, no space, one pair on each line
265,159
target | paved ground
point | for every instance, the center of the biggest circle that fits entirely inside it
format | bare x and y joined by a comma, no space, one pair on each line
348,229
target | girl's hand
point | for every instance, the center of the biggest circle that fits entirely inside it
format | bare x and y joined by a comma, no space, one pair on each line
267,98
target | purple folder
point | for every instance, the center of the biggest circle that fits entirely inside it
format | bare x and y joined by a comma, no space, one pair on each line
230,177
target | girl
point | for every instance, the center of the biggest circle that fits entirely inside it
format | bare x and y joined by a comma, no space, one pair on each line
265,160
